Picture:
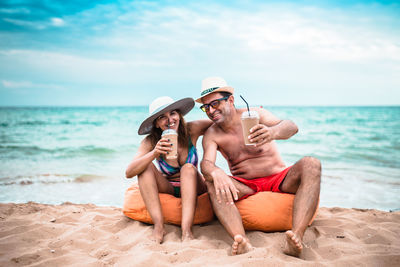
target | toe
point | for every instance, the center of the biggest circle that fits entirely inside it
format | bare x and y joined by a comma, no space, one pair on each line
291,235
238,238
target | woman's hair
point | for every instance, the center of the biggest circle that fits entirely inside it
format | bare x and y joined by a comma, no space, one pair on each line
183,133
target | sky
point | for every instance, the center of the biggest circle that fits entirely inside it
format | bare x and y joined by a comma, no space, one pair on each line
126,53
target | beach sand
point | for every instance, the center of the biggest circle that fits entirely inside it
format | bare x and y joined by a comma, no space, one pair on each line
88,235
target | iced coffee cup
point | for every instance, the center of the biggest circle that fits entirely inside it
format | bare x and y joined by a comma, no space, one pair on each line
249,119
172,135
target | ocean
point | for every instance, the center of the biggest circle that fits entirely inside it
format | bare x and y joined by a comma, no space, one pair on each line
79,154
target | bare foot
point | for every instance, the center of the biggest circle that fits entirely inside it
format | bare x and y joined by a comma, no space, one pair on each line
293,244
240,245
187,236
158,234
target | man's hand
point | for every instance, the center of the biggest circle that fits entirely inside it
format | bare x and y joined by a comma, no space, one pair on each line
261,134
224,188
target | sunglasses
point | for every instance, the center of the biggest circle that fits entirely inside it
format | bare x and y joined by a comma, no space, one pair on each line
214,104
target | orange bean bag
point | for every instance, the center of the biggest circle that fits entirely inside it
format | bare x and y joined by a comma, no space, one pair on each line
264,211
171,206
267,211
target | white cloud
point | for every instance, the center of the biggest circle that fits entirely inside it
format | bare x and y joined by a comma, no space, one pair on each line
71,60
39,25
299,51
58,22
14,84
25,23
74,68
314,31
29,84
21,10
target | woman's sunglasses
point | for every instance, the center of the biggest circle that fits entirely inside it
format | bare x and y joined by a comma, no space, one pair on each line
214,104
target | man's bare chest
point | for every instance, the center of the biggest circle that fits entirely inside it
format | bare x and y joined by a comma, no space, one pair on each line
233,148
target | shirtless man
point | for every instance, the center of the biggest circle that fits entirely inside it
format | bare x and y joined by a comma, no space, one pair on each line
247,163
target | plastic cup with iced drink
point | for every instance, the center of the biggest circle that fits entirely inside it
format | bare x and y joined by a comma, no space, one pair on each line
172,135
249,119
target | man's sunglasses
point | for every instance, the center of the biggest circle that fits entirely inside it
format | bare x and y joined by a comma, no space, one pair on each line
214,104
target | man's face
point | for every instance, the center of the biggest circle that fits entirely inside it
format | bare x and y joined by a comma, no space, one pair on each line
217,107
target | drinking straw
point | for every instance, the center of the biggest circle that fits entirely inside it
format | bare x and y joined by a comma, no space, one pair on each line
248,109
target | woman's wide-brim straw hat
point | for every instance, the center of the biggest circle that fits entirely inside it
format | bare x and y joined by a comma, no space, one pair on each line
211,85
161,105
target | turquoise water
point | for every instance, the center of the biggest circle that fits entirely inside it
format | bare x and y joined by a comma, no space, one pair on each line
57,154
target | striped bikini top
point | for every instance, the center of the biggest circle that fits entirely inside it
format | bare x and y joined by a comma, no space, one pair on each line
169,170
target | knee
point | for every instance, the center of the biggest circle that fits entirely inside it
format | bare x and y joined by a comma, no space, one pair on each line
188,171
312,165
147,172
188,168
312,162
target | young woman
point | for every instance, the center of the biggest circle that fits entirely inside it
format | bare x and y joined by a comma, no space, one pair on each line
179,176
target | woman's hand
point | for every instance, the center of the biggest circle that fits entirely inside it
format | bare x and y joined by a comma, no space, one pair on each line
162,147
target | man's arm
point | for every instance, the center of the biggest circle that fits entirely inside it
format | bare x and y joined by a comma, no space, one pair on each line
197,128
271,128
209,157
223,184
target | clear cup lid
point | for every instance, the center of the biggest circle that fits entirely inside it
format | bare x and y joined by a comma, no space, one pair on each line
250,114
168,131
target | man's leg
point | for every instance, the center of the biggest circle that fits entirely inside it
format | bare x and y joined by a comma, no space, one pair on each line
303,179
230,218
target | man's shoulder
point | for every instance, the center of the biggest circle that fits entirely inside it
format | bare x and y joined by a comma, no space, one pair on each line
214,132
212,129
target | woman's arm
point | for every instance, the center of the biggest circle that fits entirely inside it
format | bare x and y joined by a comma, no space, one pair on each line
145,155
198,128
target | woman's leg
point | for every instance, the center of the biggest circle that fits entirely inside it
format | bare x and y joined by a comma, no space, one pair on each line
151,182
192,185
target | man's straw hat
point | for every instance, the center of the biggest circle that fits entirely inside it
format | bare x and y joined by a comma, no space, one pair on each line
211,85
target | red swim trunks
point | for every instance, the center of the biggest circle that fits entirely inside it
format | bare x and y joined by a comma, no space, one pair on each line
268,183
